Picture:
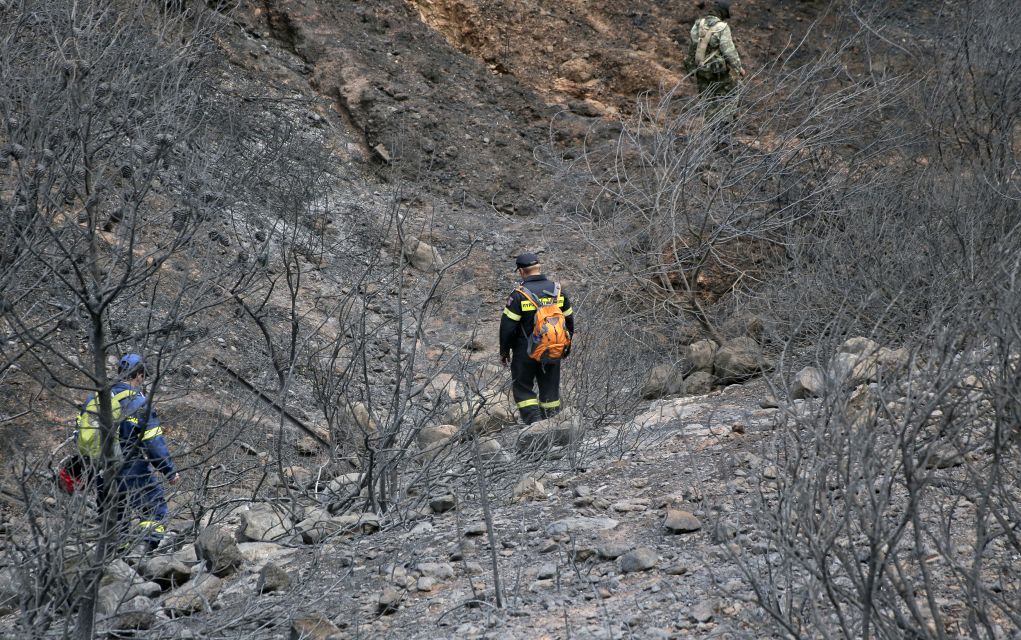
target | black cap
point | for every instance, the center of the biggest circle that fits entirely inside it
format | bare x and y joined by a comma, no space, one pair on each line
526,260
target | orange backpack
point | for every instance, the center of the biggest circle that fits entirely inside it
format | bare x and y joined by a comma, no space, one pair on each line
550,338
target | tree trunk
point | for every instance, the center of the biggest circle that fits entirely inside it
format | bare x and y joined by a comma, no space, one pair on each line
85,626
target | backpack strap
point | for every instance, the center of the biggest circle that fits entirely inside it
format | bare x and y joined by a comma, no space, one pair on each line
704,37
528,294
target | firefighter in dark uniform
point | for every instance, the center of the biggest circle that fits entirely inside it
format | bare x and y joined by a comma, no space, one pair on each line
516,324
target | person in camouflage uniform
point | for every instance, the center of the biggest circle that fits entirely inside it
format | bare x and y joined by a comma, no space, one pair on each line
712,56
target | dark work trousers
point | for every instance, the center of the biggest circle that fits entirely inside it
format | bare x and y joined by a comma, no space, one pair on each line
525,375
138,494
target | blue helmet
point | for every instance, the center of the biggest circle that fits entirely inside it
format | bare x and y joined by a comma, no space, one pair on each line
130,364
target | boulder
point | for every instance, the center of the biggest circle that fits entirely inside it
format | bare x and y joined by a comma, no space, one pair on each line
698,383
313,626
859,346
490,413
808,383
166,571
561,430
851,369
389,600
580,523
612,550
137,614
118,571
113,595
218,550
743,323
422,255
262,523
680,521
640,559
306,445
439,571
662,380
187,554
442,387
345,484
528,488
197,595
862,407
358,418
272,577
297,477
443,503
492,451
893,359
738,360
315,529
10,590
257,553
435,436
701,355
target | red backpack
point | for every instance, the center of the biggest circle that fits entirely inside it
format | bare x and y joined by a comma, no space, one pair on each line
550,338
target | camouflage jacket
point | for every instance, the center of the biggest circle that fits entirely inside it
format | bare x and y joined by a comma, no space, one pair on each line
719,48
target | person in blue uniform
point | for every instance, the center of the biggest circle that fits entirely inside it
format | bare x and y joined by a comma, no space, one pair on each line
142,451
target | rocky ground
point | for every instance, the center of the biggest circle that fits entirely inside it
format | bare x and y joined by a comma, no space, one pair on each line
637,545
445,107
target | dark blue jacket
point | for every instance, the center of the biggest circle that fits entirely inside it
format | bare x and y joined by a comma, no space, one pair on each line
141,436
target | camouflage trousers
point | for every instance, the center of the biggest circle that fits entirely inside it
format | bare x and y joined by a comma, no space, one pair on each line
719,92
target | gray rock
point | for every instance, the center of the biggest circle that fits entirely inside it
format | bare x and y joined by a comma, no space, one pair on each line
218,550
389,600
259,552
425,584
859,346
738,360
640,559
137,614
722,532
808,383
680,521
702,354
851,369
439,571
433,438
197,595
307,446
317,528
262,523
701,612
698,383
345,484
313,626
297,477
421,255
10,590
444,503
118,571
546,571
561,430
166,571
893,359
612,550
528,488
492,451
662,380
475,529
580,523
272,577
187,554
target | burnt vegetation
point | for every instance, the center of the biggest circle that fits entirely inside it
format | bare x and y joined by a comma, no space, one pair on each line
153,199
